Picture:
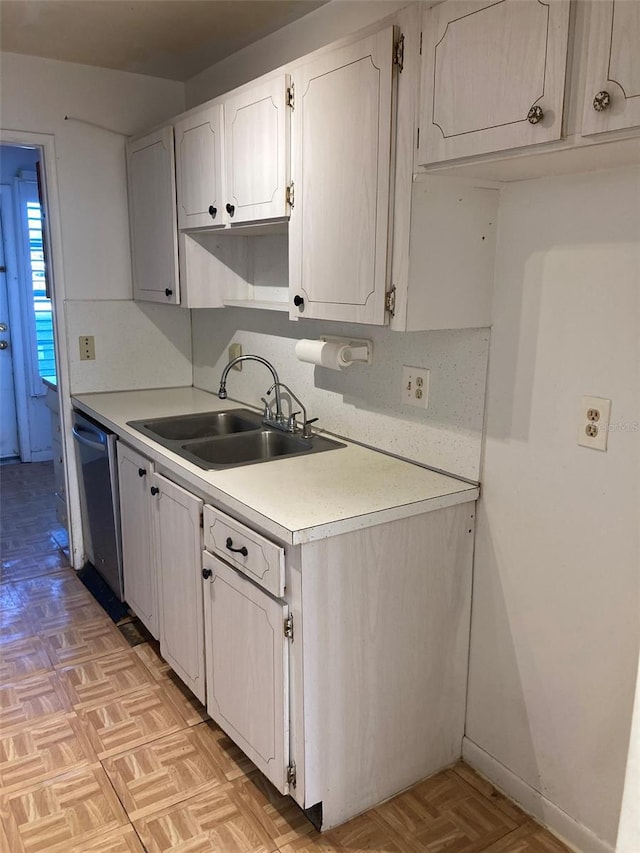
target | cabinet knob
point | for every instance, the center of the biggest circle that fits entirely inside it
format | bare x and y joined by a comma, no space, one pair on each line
601,101
298,301
231,209
154,490
206,573
212,211
535,115
229,545
168,291
141,472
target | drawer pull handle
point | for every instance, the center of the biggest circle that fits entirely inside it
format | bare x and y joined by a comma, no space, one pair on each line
141,472
206,573
242,550
154,490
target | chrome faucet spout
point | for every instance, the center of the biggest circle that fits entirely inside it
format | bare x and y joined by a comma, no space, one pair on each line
222,391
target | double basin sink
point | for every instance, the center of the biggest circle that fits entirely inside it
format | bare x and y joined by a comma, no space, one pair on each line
228,438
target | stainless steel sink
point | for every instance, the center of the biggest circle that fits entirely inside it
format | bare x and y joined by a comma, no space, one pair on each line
198,425
228,438
251,447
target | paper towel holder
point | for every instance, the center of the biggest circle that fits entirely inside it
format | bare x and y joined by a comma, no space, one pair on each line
361,348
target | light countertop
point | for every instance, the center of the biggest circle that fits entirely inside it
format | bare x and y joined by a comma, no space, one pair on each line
299,499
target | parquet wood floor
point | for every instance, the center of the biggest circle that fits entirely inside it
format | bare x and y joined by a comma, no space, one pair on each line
103,750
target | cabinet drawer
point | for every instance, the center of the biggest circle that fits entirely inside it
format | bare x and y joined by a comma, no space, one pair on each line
255,556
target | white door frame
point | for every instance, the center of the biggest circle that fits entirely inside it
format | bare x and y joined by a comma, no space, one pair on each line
46,142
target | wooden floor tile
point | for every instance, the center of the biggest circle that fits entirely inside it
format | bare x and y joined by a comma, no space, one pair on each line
63,585
487,790
30,699
280,816
444,812
9,597
231,759
152,660
80,643
123,840
209,823
22,659
31,559
164,772
315,842
124,722
69,811
58,615
42,750
105,678
191,709
528,838
15,625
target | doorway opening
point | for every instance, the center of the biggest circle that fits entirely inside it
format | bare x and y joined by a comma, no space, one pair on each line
27,348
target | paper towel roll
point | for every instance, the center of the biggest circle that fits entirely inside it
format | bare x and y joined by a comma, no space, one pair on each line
323,353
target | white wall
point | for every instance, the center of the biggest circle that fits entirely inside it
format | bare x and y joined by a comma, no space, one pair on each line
360,402
555,629
330,22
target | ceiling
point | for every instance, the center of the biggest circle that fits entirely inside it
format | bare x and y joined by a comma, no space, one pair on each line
175,39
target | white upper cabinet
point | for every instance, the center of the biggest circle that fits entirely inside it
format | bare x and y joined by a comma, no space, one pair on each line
612,89
152,217
338,231
199,169
493,76
256,161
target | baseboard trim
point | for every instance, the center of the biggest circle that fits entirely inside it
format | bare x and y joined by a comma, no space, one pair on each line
572,833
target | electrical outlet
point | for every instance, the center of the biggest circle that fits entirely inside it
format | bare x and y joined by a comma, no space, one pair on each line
415,386
593,422
235,350
87,347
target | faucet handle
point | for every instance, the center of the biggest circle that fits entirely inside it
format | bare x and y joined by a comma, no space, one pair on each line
267,409
306,431
291,422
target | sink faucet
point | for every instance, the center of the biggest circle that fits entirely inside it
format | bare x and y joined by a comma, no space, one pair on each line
222,391
291,420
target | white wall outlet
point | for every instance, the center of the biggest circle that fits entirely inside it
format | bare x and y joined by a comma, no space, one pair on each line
87,344
593,422
415,386
235,350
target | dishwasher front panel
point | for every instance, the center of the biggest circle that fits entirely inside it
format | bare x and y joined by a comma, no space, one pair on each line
96,455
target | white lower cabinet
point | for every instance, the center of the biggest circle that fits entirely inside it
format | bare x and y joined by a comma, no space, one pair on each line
248,667
161,550
178,543
138,552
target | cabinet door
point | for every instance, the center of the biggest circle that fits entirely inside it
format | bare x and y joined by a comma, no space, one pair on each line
612,90
178,540
342,126
138,554
152,217
256,152
198,169
247,668
489,68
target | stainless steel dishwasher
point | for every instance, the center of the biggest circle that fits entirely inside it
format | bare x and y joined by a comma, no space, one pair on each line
98,469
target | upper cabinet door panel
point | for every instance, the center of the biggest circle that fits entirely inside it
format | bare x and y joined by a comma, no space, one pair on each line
493,76
612,91
152,219
342,159
199,171
257,152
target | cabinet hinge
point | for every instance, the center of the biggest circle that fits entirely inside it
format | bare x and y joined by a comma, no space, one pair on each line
288,627
418,138
291,96
420,44
398,53
290,195
291,775
390,300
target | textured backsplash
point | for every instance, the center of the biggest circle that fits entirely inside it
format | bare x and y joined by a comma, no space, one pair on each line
361,402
